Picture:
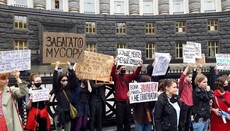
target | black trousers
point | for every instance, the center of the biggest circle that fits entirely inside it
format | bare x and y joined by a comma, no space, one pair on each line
123,116
96,111
185,117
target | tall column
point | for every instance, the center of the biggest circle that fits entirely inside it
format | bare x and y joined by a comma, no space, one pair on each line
163,7
225,5
104,6
134,7
194,6
74,6
40,4
3,2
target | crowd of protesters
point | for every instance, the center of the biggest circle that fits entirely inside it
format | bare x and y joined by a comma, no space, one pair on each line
185,105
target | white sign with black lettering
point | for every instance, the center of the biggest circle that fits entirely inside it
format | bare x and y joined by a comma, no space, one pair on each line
128,57
197,46
143,92
189,54
15,60
40,95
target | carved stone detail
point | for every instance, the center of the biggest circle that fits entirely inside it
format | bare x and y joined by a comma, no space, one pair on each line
134,7
40,4
163,7
225,5
104,7
194,6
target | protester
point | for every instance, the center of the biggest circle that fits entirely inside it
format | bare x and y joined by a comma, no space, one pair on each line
83,106
121,81
9,117
64,84
201,103
185,92
97,105
38,115
221,102
142,111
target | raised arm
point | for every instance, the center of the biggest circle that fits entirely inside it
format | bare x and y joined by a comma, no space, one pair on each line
136,73
23,86
55,76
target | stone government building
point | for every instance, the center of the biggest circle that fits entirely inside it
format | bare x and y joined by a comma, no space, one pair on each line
146,25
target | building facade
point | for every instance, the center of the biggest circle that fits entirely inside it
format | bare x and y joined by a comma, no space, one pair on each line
107,27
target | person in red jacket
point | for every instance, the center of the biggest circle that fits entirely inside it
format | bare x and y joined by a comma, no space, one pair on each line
121,81
221,102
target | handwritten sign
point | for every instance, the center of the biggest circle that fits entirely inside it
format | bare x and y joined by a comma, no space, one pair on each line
40,95
162,61
197,46
129,57
63,47
223,61
143,92
189,54
15,60
95,66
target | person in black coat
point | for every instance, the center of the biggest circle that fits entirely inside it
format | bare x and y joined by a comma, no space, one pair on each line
97,105
167,108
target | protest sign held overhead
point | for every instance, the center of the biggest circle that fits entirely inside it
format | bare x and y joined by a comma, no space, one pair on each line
63,47
189,54
40,95
129,57
197,46
95,66
201,61
143,92
15,60
162,61
223,61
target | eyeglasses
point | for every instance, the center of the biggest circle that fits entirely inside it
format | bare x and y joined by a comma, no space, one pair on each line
64,80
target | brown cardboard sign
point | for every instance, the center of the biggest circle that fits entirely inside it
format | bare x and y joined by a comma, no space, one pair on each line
95,66
62,47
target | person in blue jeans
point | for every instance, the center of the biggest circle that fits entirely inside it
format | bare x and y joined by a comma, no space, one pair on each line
142,111
201,103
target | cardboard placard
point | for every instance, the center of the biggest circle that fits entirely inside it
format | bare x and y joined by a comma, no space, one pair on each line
95,66
129,57
143,92
15,60
63,47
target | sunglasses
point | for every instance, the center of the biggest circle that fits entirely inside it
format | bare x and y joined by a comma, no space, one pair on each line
64,80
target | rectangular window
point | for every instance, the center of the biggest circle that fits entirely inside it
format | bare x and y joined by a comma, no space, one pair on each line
57,5
90,27
121,45
20,44
212,25
212,48
89,6
20,3
148,7
180,26
150,28
119,7
209,6
178,7
179,50
150,51
121,28
91,47
20,22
